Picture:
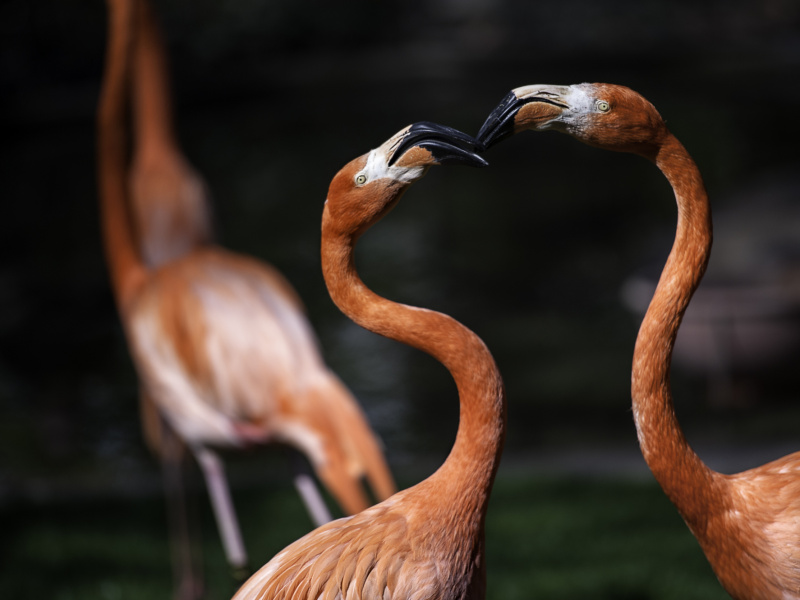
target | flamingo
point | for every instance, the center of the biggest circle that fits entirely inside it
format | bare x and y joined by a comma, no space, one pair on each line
748,523
220,341
426,541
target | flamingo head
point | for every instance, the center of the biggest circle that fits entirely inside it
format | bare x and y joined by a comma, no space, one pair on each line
368,187
607,116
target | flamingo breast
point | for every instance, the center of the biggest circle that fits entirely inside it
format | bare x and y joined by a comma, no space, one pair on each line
216,341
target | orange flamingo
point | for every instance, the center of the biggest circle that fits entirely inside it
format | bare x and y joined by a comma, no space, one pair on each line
220,341
748,524
426,541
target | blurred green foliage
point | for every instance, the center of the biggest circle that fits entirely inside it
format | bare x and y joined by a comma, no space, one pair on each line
552,537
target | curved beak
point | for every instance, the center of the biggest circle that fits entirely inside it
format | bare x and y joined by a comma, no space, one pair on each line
445,145
544,103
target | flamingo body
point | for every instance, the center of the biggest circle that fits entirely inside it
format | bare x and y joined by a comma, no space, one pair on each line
200,311
751,540
384,551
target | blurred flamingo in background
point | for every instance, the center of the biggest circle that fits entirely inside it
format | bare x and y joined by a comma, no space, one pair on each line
170,212
748,524
426,541
220,341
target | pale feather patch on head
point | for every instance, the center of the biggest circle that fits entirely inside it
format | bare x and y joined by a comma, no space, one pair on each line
582,97
581,103
377,166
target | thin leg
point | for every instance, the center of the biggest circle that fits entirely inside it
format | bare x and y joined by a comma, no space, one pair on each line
214,473
309,493
187,568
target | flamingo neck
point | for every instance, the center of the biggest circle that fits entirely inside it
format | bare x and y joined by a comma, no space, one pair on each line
462,484
679,471
153,123
127,270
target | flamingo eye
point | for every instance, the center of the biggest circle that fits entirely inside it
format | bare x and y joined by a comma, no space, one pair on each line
361,179
603,106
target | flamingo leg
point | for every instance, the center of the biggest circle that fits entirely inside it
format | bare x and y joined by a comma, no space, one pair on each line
186,563
217,484
307,488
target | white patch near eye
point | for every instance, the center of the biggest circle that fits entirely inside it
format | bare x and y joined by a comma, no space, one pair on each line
580,98
378,166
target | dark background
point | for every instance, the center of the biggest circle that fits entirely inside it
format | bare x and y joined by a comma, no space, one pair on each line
532,253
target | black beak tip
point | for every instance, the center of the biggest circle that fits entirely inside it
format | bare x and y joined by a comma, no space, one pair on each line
485,133
500,123
493,134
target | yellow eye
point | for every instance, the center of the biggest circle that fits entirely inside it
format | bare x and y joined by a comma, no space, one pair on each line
361,179
603,106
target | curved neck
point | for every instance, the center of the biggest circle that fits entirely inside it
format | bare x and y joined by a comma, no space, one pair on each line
677,468
127,270
152,107
465,478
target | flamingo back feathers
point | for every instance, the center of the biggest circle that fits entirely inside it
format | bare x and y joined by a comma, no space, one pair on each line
365,557
760,533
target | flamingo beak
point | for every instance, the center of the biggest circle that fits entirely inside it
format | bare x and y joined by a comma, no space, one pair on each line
503,122
500,123
445,145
